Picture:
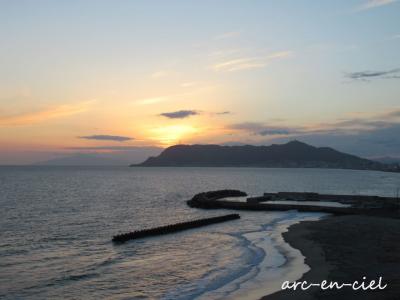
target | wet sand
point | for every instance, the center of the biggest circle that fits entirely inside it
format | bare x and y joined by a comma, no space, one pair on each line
344,249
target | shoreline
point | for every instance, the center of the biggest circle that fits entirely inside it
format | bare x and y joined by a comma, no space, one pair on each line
282,261
344,249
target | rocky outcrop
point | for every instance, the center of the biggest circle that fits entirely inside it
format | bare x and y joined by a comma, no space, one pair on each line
209,199
366,205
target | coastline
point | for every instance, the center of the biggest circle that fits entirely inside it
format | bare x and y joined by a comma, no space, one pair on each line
344,249
283,261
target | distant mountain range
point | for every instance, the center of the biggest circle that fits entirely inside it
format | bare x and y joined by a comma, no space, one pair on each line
82,159
294,154
113,158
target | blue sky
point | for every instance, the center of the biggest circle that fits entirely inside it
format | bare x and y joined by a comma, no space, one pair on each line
326,72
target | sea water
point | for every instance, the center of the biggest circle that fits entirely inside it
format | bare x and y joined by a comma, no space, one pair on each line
57,223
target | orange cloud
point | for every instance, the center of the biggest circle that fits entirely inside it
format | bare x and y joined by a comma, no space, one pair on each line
151,100
45,115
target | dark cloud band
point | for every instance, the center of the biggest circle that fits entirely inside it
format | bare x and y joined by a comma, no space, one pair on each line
180,114
103,137
263,129
368,75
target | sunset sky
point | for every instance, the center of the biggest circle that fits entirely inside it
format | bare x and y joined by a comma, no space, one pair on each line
99,76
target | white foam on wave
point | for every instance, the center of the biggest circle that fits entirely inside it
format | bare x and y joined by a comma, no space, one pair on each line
281,263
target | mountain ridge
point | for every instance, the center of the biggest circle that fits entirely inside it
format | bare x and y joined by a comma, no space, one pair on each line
292,154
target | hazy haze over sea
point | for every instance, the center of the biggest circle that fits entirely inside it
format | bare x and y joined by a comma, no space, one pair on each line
57,223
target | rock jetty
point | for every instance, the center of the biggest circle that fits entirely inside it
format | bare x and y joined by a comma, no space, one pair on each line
356,204
121,238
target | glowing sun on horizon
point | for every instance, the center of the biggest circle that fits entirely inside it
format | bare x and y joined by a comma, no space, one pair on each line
172,134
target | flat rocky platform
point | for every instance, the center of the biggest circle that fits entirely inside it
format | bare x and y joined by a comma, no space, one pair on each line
215,200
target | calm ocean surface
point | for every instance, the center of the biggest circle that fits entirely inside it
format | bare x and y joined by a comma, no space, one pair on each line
57,223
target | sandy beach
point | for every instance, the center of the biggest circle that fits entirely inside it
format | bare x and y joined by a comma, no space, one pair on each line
344,249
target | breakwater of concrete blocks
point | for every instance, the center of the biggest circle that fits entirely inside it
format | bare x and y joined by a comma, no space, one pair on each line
121,238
